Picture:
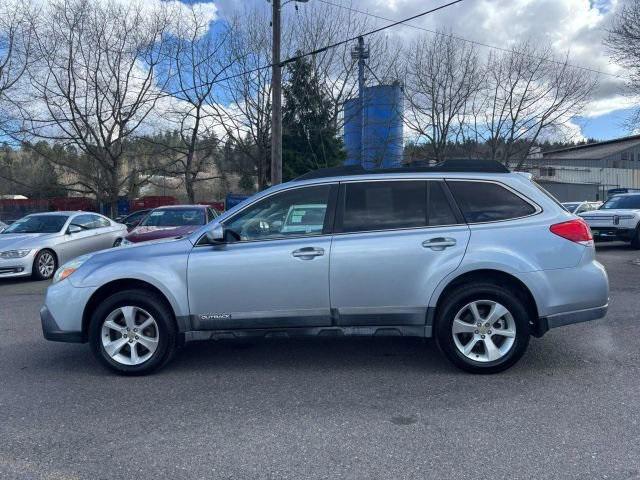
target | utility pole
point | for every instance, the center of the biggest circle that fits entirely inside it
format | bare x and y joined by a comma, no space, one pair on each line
361,53
276,98
276,92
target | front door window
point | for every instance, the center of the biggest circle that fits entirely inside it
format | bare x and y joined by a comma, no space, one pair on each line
298,212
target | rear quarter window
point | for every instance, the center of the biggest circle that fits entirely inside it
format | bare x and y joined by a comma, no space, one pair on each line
488,202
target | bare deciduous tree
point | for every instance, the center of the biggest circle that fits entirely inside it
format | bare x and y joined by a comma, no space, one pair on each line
442,74
316,25
95,84
198,63
16,54
624,43
528,92
247,120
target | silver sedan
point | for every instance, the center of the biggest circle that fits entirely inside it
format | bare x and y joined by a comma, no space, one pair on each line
36,244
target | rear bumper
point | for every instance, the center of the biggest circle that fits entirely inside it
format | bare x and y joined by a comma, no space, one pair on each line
52,331
544,324
577,316
612,233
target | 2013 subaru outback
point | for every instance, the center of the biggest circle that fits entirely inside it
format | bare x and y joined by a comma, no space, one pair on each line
468,253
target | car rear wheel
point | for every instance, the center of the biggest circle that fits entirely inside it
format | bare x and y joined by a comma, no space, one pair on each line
133,332
483,328
117,243
635,240
44,265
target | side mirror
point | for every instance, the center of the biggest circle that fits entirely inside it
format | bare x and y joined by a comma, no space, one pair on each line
216,234
74,229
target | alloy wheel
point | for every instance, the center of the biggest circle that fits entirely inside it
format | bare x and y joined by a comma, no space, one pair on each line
130,335
46,264
484,331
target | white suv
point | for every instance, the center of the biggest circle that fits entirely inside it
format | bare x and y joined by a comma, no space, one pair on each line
617,219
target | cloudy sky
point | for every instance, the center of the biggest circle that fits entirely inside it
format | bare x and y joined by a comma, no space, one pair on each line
574,26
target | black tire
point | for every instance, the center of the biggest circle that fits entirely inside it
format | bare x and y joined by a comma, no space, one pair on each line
35,271
166,330
117,243
477,291
635,240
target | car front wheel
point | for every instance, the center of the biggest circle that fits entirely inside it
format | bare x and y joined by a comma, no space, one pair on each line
132,332
44,265
483,328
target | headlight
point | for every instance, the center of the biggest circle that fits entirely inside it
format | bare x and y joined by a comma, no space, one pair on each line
68,268
14,254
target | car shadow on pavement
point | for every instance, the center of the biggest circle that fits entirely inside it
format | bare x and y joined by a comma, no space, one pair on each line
395,356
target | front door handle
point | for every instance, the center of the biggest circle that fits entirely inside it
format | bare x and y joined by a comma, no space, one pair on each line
439,243
308,253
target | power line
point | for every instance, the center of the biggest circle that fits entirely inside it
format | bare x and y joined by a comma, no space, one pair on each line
486,45
289,60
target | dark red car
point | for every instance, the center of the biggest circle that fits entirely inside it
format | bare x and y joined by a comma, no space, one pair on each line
170,222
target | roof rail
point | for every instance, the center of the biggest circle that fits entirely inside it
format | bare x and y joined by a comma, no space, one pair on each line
457,165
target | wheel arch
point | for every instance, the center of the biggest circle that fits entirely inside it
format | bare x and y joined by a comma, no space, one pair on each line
118,285
486,275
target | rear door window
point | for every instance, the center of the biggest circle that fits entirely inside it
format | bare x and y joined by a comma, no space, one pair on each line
390,205
488,202
87,221
384,205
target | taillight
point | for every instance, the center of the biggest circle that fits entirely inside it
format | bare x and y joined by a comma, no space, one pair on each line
575,230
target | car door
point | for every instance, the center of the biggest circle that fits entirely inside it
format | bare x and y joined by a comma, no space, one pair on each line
106,232
265,275
394,241
79,242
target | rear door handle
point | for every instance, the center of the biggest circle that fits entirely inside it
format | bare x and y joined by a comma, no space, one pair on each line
308,253
439,243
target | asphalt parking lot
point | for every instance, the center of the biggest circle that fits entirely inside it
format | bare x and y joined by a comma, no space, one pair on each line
363,408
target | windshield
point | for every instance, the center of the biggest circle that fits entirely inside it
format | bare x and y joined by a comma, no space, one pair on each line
37,224
622,202
175,217
571,207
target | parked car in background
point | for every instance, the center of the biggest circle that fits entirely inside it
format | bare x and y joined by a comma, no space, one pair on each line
468,253
170,222
36,244
133,219
617,219
580,207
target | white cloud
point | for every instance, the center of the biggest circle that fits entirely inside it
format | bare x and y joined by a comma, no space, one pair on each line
574,26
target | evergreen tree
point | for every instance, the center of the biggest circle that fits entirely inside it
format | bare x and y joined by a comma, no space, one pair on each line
310,140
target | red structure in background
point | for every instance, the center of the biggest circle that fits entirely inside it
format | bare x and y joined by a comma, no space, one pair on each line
72,203
152,202
14,209
219,206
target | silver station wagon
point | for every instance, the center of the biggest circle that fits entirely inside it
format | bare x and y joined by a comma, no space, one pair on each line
467,252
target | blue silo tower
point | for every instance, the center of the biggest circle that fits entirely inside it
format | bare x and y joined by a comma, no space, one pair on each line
373,126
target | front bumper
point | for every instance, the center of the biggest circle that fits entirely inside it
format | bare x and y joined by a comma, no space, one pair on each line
17,267
52,331
62,313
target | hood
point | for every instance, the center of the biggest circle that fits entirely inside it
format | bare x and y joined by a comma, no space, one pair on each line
12,241
144,234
